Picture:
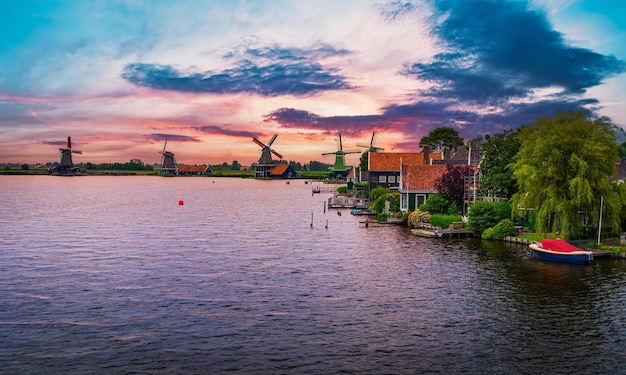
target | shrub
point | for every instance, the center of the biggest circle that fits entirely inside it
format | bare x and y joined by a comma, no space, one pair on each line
502,209
444,221
342,189
377,192
482,215
436,204
487,234
416,217
504,228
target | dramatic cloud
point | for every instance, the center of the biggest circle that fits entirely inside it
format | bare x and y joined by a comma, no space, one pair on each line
279,72
172,137
218,130
503,50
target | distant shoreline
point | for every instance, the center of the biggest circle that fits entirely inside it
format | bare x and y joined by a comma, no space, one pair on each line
226,173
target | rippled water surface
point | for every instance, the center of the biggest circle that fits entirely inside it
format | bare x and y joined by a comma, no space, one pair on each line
110,275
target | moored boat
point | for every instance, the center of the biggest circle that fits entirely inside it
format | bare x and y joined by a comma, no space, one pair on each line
560,251
426,233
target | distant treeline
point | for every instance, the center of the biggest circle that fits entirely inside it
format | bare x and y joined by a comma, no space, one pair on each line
310,166
132,165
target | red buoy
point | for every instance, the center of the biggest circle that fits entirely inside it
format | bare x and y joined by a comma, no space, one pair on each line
180,202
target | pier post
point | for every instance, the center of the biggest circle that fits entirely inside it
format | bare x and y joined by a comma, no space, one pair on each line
311,219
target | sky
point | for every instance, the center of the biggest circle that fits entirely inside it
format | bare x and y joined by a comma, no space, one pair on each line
121,77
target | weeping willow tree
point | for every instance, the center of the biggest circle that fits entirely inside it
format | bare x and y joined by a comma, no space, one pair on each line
564,168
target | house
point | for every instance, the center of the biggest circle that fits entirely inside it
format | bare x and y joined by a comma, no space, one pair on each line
418,183
460,155
384,167
282,170
193,170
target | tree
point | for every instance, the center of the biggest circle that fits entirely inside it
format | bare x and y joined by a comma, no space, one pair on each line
440,138
563,169
452,183
364,161
498,153
25,167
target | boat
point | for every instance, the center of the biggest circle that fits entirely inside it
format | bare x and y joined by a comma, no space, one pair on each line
426,233
560,251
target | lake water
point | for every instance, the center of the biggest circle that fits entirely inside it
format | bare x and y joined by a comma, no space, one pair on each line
110,275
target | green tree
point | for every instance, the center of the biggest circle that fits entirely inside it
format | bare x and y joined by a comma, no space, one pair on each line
25,167
364,161
563,169
440,138
498,153
377,192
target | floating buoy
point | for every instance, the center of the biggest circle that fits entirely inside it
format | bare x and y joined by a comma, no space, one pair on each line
180,202
213,181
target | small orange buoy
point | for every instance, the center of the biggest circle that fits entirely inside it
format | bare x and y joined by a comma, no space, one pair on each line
180,202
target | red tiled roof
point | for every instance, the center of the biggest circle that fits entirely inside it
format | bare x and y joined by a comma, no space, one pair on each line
351,174
192,168
279,169
390,161
421,177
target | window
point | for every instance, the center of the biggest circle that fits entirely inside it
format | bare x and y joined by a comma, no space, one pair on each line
420,199
391,179
404,202
382,178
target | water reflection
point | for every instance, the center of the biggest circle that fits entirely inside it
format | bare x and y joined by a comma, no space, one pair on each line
236,280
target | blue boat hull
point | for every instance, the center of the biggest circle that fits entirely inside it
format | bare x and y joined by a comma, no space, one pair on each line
576,257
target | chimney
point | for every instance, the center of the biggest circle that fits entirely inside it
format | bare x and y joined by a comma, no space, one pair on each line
426,155
448,152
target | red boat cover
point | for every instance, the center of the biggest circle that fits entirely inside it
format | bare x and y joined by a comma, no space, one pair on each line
558,245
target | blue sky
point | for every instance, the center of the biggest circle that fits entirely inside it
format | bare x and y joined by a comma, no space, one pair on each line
120,77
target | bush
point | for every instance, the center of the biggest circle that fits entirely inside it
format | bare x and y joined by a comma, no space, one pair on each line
444,221
502,209
342,190
487,234
436,204
378,192
504,228
482,215
416,218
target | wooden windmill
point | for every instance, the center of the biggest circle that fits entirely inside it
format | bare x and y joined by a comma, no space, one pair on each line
265,162
66,165
371,147
339,169
168,162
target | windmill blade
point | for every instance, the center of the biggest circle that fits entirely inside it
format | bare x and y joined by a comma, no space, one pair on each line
364,146
272,140
372,141
165,144
258,142
276,153
77,152
340,145
69,142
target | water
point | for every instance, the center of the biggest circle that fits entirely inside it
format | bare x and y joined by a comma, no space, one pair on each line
109,275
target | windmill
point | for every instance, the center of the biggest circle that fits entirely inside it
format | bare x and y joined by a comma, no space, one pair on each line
371,147
66,166
168,162
265,162
339,169
364,173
